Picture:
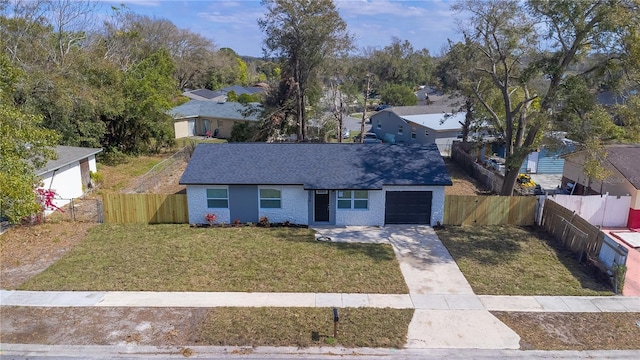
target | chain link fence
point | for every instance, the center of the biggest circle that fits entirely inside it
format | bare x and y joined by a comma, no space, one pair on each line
79,209
161,171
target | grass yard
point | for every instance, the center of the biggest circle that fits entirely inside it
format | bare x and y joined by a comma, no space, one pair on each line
246,259
117,177
303,327
509,260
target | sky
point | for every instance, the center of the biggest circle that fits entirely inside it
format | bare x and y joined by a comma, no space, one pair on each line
426,24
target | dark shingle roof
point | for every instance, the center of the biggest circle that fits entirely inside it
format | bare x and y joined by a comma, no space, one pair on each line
66,156
625,158
212,109
316,166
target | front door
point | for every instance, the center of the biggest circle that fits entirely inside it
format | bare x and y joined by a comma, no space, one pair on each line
321,209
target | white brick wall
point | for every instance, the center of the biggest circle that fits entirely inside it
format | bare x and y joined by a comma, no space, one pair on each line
197,200
294,204
374,216
295,207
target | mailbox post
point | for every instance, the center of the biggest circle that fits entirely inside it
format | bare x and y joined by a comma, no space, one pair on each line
336,318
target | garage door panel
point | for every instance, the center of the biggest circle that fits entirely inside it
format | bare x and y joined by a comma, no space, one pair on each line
408,207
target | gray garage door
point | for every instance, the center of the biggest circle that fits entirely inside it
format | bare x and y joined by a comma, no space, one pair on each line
408,207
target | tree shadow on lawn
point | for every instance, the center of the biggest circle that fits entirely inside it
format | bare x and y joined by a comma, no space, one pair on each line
378,252
495,245
586,274
484,245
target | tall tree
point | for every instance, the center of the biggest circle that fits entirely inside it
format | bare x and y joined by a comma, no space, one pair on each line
399,64
303,34
503,34
24,147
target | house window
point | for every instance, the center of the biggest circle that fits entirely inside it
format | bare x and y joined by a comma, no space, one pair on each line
413,133
426,132
379,124
270,199
217,198
353,199
220,123
400,129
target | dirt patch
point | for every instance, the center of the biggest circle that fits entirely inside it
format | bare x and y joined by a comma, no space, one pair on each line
463,184
574,331
100,326
28,250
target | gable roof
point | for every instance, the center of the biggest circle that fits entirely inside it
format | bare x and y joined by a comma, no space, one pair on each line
67,155
316,166
220,94
438,122
212,109
625,159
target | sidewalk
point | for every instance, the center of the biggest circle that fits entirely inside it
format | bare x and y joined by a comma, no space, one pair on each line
395,301
266,352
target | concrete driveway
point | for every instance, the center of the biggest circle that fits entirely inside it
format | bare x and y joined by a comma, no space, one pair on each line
426,264
448,314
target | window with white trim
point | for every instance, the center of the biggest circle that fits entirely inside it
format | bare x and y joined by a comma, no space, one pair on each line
413,133
270,199
217,198
426,132
379,124
353,199
400,129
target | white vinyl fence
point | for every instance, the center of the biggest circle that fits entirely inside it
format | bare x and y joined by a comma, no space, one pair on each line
599,210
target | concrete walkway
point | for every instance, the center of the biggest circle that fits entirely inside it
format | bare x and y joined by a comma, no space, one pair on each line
395,301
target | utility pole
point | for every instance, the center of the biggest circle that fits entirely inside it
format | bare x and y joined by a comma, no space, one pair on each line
364,110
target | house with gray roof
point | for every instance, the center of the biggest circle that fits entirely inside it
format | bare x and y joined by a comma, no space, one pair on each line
396,126
69,175
220,95
202,117
315,183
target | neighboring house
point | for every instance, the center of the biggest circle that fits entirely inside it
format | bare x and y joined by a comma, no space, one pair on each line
313,183
199,117
394,125
221,94
622,164
547,160
70,174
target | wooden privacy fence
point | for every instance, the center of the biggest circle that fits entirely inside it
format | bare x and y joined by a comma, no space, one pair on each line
572,231
489,210
145,209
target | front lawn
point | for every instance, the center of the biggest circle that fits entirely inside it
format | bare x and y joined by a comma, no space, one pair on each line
509,260
246,259
303,327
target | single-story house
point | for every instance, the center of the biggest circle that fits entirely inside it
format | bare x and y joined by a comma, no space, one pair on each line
202,117
624,176
220,95
314,183
70,174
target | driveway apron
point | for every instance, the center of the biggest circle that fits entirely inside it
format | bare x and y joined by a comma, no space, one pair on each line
426,264
430,271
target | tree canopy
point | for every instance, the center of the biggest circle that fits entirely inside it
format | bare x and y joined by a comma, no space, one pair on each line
531,79
24,147
302,34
